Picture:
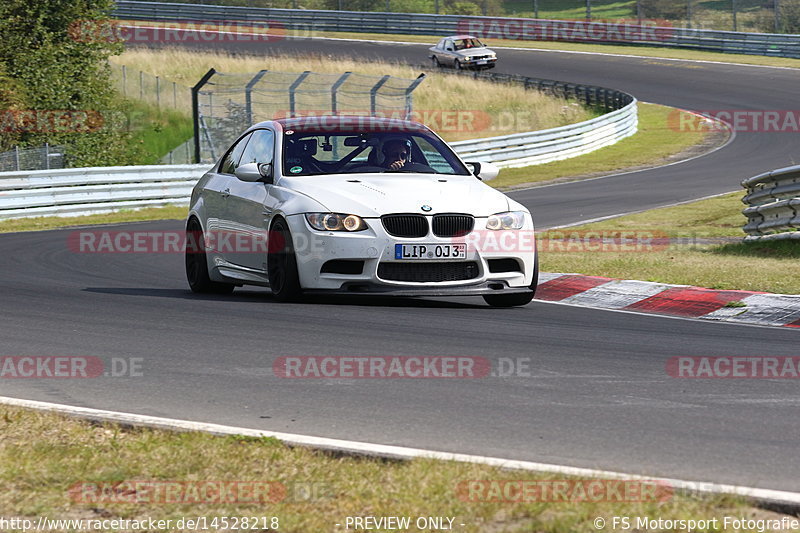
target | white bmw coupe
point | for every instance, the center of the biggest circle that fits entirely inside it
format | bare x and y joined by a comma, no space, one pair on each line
356,205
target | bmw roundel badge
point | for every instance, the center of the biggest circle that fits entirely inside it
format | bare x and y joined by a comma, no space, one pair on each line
426,208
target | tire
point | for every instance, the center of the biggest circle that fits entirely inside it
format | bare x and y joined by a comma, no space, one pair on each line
435,62
457,65
197,264
284,281
519,299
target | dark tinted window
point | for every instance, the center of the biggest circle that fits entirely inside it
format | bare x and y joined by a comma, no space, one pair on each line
231,160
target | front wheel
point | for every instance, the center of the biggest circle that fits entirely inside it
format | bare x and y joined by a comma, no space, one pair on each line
197,264
519,299
435,62
458,65
282,264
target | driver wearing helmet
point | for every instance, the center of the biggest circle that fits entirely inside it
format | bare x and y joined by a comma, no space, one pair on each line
396,153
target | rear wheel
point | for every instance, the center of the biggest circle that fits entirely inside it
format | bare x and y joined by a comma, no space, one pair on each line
519,299
282,264
197,264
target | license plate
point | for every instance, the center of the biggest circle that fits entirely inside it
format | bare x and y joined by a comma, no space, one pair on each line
483,62
424,252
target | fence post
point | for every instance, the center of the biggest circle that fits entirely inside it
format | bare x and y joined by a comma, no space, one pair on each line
158,93
16,156
196,111
141,85
733,9
777,17
334,89
124,81
536,9
248,97
373,93
47,156
293,87
588,9
688,13
409,99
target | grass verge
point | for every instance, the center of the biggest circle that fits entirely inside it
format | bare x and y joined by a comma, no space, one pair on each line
320,489
119,217
658,141
456,107
704,250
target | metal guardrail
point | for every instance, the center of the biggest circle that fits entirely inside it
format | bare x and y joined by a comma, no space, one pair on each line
306,22
774,200
85,191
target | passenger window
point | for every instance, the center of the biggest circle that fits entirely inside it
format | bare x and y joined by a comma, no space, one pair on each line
231,160
260,149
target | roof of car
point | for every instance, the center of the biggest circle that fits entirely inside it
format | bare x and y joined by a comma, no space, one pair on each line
350,122
461,37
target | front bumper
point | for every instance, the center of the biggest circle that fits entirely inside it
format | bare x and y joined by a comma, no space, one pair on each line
375,246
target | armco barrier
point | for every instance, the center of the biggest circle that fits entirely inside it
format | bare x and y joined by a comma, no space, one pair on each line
306,22
774,200
85,191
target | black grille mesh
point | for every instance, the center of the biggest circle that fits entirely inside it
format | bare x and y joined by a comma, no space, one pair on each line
405,225
452,225
424,272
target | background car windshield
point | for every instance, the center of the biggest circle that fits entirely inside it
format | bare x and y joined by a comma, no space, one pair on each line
313,153
468,43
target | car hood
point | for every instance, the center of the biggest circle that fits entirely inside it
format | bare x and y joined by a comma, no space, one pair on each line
374,195
469,52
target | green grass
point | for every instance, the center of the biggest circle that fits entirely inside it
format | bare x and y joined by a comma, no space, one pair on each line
119,217
693,258
43,455
157,130
656,140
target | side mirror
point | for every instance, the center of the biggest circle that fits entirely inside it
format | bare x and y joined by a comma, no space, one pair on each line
253,172
484,171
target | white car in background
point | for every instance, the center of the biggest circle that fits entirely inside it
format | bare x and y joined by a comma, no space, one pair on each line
357,205
462,52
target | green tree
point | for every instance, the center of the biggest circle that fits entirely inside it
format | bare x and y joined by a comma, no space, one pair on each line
56,53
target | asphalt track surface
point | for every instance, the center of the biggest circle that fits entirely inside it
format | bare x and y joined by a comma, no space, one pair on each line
596,393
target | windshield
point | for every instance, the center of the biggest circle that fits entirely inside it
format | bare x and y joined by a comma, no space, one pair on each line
307,153
463,44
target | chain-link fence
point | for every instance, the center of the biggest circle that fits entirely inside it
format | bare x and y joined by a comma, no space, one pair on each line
42,158
227,104
134,84
781,16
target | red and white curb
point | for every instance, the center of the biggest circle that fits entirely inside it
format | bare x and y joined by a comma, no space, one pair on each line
748,307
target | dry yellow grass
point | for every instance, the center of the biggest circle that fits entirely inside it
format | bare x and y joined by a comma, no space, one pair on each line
480,108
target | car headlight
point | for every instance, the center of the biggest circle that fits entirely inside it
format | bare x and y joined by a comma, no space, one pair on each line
335,222
507,220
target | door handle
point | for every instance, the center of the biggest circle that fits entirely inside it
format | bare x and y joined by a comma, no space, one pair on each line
226,193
